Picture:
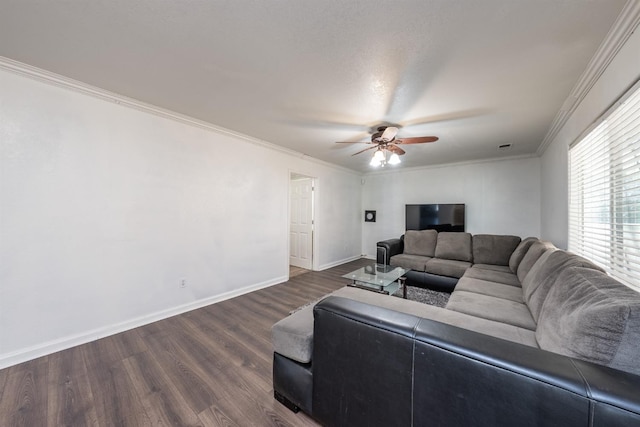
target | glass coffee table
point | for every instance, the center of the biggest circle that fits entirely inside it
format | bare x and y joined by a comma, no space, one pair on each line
380,278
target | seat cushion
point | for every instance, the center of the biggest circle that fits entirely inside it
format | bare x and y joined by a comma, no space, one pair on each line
484,326
292,336
593,317
414,262
493,249
493,289
421,242
447,267
492,308
506,278
455,246
473,323
501,268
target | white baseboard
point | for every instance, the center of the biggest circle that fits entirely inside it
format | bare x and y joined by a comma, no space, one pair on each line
33,352
336,263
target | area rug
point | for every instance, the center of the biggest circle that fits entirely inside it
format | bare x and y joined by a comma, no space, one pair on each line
425,296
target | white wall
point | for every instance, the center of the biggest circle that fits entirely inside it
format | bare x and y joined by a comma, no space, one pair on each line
621,74
104,209
501,197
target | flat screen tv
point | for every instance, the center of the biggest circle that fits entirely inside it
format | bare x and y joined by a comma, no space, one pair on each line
441,217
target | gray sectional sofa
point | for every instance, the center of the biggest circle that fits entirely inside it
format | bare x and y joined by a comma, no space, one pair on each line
531,335
438,260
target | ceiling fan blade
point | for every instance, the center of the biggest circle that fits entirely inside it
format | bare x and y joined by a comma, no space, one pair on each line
395,149
366,149
447,117
389,133
417,140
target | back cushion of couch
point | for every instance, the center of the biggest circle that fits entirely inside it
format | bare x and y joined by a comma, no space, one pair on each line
591,316
535,251
493,249
520,252
537,284
421,242
456,246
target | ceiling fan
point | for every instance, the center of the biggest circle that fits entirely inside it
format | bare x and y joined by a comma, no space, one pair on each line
385,140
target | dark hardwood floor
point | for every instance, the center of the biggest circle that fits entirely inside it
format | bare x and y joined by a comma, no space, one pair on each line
207,367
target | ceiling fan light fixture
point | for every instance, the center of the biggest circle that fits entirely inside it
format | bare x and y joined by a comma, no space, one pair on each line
387,147
394,159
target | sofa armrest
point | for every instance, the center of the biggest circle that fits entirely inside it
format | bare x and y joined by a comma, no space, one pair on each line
346,392
388,248
461,371
616,395
458,377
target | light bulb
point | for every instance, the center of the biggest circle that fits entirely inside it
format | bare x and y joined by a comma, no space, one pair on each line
379,155
374,162
394,159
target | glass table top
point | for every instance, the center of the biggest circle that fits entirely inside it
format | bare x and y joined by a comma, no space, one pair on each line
378,276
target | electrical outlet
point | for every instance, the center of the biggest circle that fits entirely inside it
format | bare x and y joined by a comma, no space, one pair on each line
183,283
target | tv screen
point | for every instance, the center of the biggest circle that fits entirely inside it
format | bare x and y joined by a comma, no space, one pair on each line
440,217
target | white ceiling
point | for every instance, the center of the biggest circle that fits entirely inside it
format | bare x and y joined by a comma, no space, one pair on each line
303,74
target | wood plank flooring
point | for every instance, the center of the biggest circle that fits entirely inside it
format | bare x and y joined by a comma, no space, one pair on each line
296,271
207,367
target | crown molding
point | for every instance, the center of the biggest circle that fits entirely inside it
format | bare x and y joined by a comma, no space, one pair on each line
51,78
625,25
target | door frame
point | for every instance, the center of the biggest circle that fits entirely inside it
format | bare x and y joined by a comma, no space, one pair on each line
314,212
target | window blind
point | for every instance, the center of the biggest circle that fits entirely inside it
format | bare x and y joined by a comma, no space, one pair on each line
604,191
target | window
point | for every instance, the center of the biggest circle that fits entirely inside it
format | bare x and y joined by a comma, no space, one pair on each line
604,191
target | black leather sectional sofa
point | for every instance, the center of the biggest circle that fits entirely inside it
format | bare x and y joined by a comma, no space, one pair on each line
531,336
377,367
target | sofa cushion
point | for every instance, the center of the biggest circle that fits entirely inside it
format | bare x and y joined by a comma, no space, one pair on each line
501,268
535,251
537,284
484,326
506,278
292,336
421,242
493,249
447,267
593,317
519,253
414,262
493,289
453,245
492,308
462,320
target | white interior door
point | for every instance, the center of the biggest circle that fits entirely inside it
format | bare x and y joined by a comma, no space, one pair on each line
301,227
